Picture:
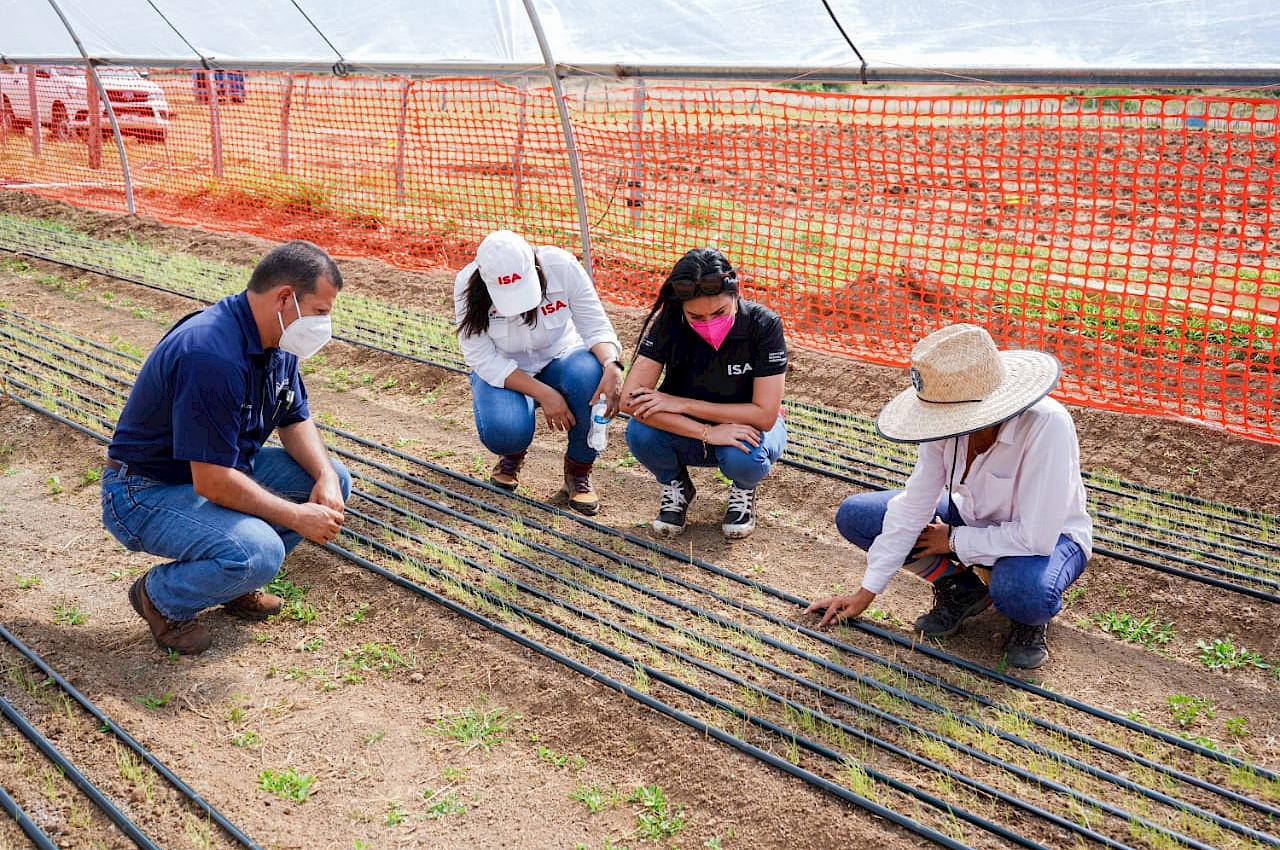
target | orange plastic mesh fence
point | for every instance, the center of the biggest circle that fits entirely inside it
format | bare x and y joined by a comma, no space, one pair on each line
1135,237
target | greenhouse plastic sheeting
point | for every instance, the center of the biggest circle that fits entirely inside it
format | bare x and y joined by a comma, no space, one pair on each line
606,36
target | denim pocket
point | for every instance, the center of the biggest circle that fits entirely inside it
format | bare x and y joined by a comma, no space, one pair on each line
117,505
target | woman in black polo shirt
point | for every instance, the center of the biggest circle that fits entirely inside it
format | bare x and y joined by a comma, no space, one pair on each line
723,364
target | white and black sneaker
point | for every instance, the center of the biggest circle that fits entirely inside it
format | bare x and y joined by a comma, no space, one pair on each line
739,518
677,494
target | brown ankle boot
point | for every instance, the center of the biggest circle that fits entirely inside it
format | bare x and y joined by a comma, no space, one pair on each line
254,605
185,637
506,472
577,486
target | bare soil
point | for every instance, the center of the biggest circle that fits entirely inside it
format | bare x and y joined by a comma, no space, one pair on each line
371,748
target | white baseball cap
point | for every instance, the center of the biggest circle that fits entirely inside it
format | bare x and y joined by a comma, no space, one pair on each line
506,265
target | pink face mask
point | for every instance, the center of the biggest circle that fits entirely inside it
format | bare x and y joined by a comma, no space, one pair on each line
714,330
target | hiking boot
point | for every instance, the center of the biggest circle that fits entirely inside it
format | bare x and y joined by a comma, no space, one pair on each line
677,495
506,472
956,598
185,637
254,605
577,486
739,520
1026,647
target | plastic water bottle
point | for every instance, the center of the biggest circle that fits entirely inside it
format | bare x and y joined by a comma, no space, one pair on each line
598,436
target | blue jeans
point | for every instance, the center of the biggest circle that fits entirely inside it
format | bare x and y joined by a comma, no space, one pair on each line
1025,588
666,454
218,554
505,418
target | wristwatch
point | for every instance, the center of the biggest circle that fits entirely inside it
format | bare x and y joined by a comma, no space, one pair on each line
616,362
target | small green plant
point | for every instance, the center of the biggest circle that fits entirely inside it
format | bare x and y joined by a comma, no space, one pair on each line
153,702
90,476
1074,594
440,804
247,738
1186,710
476,728
593,797
28,582
396,814
372,738
68,615
358,615
287,784
657,820
1144,631
286,589
1237,727
573,762
1222,654
54,484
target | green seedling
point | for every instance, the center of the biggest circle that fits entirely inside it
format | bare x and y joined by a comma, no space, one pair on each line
1222,654
1237,727
28,582
247,738
573,762
441,804
396,815
1186,710
153,702
287,784
54,484
1144,631
594,797
475,728
657,820
90,476
68,615
286,589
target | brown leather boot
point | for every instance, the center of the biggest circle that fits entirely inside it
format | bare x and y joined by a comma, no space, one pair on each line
185,637
254,605
577,486
506,472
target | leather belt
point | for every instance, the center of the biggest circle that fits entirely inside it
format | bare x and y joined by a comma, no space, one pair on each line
112,463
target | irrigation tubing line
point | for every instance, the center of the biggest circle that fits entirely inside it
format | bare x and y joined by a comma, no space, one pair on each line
662,708
77,778
843,671
821,691
106,723
37,835
786,649
648,545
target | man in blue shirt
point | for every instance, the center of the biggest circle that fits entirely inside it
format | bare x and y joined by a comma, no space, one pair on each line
187,475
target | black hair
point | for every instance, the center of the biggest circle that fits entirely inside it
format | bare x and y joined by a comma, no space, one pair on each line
299,264
697,264
479,302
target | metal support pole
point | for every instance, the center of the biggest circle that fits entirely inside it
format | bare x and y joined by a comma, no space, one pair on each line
33,103
215,126
285,106
517,158
402,137
94,138
571,147
111,113
635,183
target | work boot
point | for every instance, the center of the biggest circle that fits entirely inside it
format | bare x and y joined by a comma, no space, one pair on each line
677,495
1026,647
254,605
739,519
956,598
185,637
506,472
577,486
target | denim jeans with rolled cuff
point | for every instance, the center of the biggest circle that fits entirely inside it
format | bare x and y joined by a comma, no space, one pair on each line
217,554
505,419
1025,588
665,454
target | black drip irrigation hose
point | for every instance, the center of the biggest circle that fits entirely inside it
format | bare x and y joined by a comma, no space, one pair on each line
78,779
109,725
832,418
702,727
28,826
788,703
844,672
680,557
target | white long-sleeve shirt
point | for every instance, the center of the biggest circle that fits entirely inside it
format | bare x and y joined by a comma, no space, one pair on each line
1017,498
569,317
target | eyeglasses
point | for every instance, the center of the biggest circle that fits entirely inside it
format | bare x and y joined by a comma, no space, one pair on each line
706,286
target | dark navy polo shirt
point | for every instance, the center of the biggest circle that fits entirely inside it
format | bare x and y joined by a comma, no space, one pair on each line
754,348
208,392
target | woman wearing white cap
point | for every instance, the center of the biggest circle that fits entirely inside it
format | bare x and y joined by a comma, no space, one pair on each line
534,333
996,497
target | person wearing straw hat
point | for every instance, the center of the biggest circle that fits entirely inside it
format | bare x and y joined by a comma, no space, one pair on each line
534,333
994,511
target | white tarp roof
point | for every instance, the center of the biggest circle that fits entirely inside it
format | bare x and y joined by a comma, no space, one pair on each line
1178,41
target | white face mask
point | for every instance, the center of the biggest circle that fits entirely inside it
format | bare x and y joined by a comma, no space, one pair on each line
306,335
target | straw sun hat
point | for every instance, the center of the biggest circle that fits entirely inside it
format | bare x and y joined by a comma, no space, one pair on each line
961,383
